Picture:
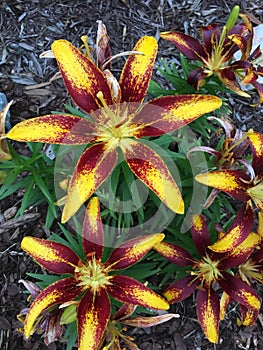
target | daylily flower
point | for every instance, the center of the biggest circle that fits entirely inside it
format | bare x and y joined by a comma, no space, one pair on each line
238,183
115,125
48,322
91,281
230,155
209,269
123,316
216,55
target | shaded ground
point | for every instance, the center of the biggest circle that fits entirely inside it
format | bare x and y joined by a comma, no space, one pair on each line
27,28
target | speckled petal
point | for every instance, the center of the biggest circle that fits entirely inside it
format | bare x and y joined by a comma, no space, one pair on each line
131,251
55,129
181,289
207,308
238,231
200,233
92,230
93,167
128,290
241,253
233,182
169,113
149,167
137,71
256,143
53,256
177,255
58,292
189,46
240,291
82,78
248,316
93,316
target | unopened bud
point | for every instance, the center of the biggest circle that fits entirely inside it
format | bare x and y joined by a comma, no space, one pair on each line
69,315
232,17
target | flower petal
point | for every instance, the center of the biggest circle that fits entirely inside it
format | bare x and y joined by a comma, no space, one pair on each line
177,255
238,231
145,322
93,316
149,167
137,71
169,113
93,167
82,78
131,251
54,129
196,78
124,312
92,230
58,292
128,290
233,182
189,46
256,143
207,307
53,256
240,291
200,233
181,289
228,78
103,45
248,316
241,253
225,300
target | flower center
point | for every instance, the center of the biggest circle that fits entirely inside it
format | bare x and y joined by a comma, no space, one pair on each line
207,270
91,275
114,122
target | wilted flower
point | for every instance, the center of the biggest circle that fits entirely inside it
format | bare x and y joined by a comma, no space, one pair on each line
91,281
238,183
48,322
231,153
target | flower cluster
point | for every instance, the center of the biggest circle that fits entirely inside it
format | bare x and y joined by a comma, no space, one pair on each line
95,286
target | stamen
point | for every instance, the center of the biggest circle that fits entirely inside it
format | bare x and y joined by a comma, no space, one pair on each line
101,98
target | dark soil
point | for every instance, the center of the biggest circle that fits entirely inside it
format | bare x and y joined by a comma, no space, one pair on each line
27,28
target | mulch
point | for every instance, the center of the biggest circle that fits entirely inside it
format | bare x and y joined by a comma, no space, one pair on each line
28,28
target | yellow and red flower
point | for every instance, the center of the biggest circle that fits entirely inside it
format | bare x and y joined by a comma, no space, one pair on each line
250,270
238,183
216,55
212,268
115,125
90,281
